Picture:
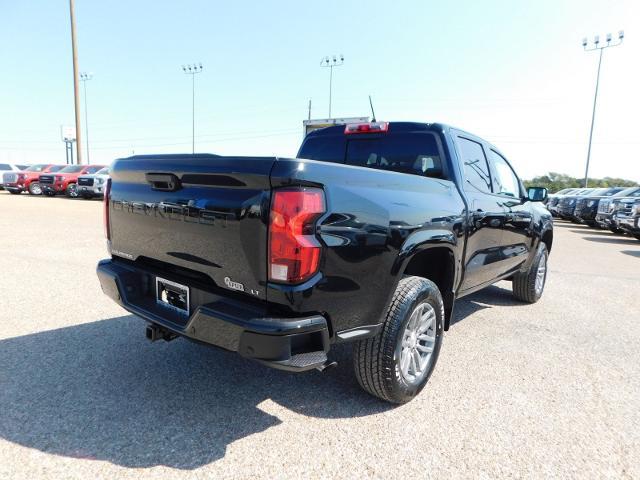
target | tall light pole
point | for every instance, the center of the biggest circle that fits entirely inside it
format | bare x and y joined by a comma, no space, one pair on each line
193,70
84,78
330,63
76,93
600,48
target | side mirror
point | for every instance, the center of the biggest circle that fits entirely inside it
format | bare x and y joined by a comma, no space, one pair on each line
536,194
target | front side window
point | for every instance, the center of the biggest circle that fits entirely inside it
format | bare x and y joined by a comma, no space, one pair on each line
505,181
37,168
72,169
92,169
476,169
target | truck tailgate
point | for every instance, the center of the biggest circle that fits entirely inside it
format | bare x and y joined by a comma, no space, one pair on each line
204,214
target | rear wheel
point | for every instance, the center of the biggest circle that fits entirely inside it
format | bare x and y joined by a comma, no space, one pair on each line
528,286
396,364
35,188
15,192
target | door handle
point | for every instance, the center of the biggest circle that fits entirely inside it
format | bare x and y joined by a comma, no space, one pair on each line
167,182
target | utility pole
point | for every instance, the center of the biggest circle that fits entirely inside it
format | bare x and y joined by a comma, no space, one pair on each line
84,78
600,48
330,63
193,70
76,92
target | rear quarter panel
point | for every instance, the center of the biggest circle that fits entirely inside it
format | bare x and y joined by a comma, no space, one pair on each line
375,221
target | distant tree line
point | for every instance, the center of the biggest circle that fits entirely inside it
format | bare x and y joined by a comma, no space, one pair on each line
557,181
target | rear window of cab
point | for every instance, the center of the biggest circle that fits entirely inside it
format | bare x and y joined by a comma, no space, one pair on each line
411,152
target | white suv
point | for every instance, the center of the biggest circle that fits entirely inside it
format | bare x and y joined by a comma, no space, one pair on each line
93,185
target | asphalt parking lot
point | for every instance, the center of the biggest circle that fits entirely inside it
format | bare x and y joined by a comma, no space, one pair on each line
544,390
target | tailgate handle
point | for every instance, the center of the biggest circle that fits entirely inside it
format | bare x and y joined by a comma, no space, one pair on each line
167,182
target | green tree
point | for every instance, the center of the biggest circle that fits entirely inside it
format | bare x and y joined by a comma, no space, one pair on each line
557,181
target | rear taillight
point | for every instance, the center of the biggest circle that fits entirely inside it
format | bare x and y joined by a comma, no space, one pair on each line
107,198
371,127
294,250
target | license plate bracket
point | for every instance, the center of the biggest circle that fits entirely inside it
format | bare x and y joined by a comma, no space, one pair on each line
172,295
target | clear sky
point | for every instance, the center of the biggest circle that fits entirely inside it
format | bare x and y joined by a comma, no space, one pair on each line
513,72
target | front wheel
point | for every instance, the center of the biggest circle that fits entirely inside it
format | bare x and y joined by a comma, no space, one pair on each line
35,188
528,286
396,364
72,190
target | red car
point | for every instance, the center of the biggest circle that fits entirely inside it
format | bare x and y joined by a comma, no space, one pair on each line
27,180
65,181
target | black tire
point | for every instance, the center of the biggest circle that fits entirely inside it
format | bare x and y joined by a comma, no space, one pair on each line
35,189
637,236
49,193
524,283
377,360
616,230
14,192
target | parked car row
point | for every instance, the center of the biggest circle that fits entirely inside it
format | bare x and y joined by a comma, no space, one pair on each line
85,181
614,208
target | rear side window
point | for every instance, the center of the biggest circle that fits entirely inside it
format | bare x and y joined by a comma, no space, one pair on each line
415,153
4,166
56,168
476,168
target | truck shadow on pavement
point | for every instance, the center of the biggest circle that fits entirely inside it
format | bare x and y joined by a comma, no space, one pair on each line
100,391
612,239
493,296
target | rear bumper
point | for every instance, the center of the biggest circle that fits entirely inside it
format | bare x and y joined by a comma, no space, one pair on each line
294,344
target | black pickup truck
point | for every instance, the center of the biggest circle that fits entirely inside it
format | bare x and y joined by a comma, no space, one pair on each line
369,236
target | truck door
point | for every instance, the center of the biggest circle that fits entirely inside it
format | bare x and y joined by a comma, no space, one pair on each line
486,216
517,237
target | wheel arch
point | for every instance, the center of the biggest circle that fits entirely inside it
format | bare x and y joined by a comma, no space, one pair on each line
438,264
